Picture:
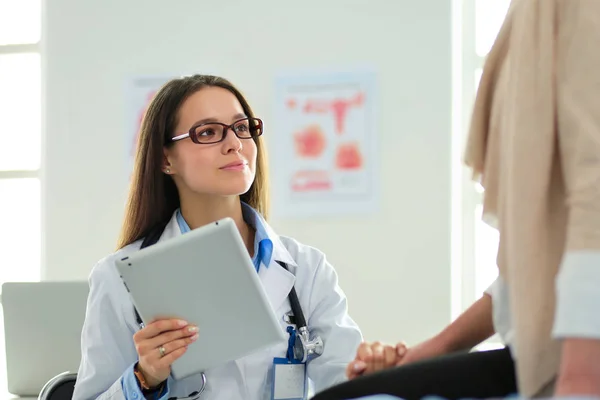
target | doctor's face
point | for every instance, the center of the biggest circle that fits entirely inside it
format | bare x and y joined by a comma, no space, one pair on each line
222,168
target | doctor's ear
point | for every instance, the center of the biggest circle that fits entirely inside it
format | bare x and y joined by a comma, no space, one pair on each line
166,167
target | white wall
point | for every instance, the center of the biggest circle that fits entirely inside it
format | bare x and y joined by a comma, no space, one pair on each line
394,265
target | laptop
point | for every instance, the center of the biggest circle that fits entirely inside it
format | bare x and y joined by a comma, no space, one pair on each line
42,331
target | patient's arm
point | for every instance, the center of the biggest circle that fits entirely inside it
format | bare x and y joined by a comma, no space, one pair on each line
468,330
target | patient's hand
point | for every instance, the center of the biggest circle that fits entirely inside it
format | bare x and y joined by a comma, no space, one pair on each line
372,357
428,349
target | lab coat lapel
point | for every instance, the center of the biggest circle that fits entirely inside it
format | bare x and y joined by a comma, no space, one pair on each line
171,230
278,283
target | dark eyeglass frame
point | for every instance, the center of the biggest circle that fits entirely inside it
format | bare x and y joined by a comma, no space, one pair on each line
255,124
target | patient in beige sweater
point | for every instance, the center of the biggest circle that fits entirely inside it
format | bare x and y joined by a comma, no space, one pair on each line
534,145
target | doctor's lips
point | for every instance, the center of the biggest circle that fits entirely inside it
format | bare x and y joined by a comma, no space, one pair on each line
238,165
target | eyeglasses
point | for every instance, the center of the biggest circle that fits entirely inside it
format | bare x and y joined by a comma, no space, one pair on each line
215,132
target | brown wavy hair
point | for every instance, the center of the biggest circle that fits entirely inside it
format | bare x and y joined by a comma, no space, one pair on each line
153,196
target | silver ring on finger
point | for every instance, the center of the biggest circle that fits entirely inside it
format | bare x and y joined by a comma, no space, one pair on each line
162,351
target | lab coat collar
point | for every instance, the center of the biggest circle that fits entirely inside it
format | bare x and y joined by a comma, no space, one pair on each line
280,252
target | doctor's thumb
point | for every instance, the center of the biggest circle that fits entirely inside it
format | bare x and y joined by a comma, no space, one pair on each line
359,366
355,369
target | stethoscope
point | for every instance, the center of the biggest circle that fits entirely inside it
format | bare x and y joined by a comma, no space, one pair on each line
305,348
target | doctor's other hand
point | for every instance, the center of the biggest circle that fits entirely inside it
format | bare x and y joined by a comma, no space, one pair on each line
376,356
159,344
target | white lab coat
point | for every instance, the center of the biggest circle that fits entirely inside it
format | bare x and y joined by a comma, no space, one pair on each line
107,347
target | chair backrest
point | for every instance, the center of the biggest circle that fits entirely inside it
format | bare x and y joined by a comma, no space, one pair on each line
60,387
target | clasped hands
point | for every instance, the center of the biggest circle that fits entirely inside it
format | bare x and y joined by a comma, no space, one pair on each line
376,356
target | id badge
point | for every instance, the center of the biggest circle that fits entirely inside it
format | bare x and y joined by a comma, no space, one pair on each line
289,380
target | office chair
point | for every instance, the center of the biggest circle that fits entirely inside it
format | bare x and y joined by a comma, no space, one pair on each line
60,387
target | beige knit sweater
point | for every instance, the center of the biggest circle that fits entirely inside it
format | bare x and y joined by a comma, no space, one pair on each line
535,146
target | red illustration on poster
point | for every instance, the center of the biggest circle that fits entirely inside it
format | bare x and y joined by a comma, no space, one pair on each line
307,181
339,107
348,156
310,141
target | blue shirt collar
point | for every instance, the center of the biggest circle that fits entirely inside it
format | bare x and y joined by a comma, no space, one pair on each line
263,245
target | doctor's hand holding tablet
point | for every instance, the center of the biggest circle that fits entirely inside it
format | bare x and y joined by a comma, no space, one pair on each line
171,338
196,251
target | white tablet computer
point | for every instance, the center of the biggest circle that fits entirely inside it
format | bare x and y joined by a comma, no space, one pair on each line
207,278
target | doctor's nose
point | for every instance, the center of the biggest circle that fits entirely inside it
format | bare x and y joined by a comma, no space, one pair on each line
232,144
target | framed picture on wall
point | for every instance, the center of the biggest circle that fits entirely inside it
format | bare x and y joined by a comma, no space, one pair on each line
325,148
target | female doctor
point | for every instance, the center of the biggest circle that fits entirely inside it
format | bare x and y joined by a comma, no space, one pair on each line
201,158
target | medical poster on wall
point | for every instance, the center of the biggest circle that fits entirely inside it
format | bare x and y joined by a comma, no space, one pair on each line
324,144
140,91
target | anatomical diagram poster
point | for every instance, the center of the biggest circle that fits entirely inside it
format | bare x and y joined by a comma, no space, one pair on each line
324,144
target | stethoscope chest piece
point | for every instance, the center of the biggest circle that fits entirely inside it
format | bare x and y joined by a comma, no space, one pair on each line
305,348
